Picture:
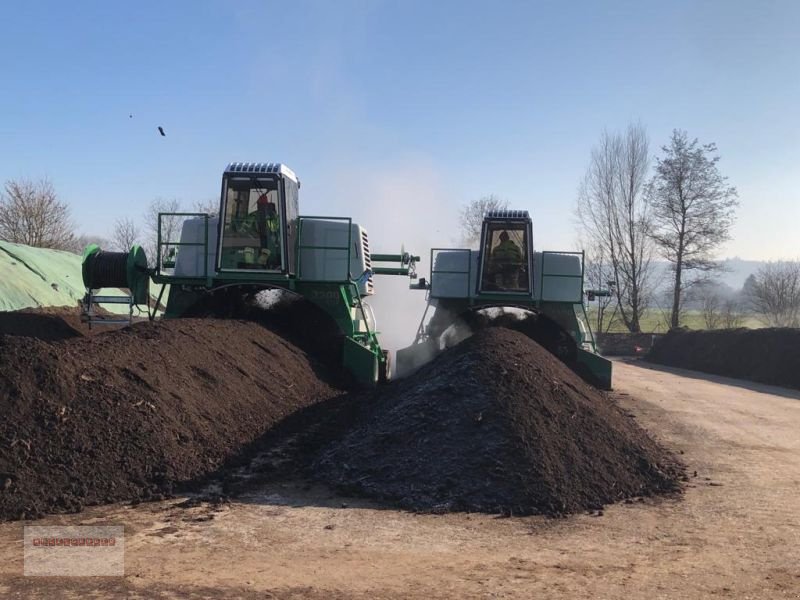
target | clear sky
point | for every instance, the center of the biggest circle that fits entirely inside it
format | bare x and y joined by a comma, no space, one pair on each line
396,113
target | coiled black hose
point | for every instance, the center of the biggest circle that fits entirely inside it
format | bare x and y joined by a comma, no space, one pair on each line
107,270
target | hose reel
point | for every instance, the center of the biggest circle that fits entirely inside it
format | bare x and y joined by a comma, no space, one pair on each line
113,270
102,269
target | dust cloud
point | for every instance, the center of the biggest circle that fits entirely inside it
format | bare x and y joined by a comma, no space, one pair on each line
405,207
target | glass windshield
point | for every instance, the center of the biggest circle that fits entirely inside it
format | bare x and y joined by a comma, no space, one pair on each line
251,231
505,262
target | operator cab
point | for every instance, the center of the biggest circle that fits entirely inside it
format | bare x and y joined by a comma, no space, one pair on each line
505,255
258,224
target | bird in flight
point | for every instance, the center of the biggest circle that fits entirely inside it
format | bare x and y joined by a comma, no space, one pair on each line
161,131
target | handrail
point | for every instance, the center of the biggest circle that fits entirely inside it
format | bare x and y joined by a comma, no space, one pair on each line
160,243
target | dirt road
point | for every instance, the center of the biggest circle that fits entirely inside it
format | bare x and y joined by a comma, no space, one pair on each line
735,533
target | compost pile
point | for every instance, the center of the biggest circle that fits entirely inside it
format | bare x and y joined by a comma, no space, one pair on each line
47,323
293,317
131,413
496,424
765,355
544,330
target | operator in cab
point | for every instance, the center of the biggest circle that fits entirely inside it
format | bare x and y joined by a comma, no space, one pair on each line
254,240
506,261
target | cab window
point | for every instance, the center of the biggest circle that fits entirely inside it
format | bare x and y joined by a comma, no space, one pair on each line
251,231
505,258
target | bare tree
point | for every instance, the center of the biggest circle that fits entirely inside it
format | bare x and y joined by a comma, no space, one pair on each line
614,215
31,214
81,241
693,209
472,217
209,206
125,234
711,308
731,316
170,227
774,293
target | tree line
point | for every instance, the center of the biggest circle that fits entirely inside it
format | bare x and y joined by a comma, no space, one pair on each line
769,296
681,210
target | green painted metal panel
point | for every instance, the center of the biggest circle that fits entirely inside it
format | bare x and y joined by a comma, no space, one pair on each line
361,361
599,367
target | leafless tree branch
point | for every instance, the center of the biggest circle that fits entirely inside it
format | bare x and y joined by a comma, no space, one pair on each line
472,217
614,217
773,293
124,235
31,214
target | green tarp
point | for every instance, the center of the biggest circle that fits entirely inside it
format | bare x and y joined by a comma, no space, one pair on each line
36,277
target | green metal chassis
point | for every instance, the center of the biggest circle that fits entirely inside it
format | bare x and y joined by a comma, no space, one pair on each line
563,313
362,355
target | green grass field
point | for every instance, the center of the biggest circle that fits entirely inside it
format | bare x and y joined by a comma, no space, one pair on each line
656,321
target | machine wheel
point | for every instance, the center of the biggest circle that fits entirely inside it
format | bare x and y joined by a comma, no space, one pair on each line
385,368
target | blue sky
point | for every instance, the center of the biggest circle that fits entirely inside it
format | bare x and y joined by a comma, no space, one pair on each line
396,113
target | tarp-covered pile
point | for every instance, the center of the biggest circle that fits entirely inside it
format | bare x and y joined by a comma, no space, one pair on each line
36,277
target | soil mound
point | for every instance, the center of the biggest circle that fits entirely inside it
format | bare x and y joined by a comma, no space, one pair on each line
545,330
496,424
48,323
764,355
293,317
129,414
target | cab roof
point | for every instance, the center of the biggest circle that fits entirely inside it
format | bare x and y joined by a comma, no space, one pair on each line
255,168
507,215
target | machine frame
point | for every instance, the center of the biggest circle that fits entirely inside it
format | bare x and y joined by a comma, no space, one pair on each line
340,298
564,310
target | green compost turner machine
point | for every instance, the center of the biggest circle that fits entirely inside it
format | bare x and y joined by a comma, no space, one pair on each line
258,240
505,273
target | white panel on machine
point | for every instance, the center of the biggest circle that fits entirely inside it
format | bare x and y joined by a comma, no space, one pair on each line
560,276
189,259
324,252
450,276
